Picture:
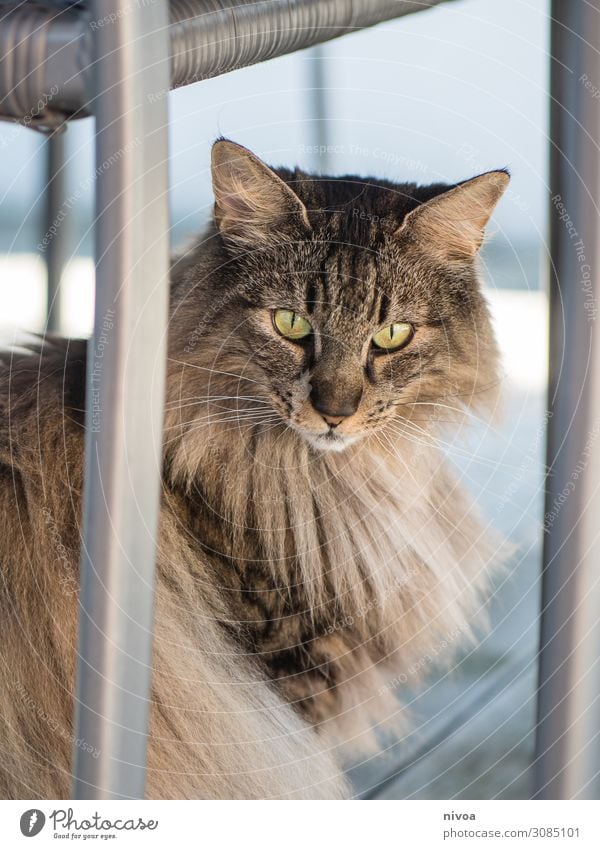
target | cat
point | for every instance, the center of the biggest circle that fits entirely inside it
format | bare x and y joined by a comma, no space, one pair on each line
314,544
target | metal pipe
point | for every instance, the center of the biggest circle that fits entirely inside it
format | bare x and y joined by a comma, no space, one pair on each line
58,247
207,38
568,731
212,38
318,108
125,398
44,63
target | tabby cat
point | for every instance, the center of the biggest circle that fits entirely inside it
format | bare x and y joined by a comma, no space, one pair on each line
313,541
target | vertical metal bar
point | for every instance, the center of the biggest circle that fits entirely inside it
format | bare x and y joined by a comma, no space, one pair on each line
568,735
126,369
318,106
56,217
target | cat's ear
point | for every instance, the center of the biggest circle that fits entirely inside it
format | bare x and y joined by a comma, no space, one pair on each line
452,224
252,204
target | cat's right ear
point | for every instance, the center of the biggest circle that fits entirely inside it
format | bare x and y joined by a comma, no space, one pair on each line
252,203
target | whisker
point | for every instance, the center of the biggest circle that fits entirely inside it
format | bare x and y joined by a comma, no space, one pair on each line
209,411
243,424
222,419
437,420
436,442
204,399
221,415
218,371
491,385
462,411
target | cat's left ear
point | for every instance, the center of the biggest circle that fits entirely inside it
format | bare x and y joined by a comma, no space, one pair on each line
452,224
252,203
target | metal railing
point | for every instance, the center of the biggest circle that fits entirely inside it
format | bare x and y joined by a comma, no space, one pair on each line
206,38
125,389
568,731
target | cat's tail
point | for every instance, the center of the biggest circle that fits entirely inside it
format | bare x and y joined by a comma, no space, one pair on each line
219,731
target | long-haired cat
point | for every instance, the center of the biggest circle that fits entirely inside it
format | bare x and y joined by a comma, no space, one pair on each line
313,542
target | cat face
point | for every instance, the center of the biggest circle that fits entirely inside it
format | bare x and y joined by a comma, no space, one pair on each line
353,303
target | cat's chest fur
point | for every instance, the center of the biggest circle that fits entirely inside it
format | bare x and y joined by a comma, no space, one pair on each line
330,566
284,620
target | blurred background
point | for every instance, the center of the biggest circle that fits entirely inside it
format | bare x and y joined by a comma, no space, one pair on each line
442,95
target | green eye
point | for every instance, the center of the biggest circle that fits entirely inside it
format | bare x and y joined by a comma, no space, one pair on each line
291,325
394,336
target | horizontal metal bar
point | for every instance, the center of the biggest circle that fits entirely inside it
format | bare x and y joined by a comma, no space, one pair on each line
46,53
44,64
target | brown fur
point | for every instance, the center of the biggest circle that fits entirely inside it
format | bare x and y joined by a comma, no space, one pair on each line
294,582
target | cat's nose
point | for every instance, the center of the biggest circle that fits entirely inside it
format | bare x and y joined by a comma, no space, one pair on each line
333,421
336,388
333,414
